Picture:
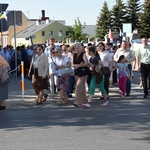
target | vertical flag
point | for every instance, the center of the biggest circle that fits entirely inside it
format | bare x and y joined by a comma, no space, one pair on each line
111,34
120,33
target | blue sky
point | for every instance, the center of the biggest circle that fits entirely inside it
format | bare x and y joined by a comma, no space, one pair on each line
67,10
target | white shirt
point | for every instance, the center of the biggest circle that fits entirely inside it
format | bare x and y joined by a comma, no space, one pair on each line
63,61
37,60
106,58
47,51
52,65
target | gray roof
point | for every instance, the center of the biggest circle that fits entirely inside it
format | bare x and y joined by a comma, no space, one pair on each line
90,30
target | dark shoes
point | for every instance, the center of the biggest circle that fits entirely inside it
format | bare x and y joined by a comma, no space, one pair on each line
2,107
39,103
145,95
75,105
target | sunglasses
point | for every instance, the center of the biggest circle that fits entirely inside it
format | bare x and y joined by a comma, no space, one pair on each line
39,49
64,50
53,52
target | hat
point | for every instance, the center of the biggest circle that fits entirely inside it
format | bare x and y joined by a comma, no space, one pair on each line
58,48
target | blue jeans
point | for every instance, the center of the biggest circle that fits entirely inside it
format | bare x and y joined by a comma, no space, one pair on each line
70,84
128,83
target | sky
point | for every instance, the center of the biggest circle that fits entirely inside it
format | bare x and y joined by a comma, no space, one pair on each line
68,10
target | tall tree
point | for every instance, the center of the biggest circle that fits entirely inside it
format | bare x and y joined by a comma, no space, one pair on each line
133,12
118,15
76,31
103,22
144,23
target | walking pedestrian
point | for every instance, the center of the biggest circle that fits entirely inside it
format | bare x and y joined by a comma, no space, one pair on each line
62,62
39,80
143,58
79,61
129,58
96,67
123,74
3,87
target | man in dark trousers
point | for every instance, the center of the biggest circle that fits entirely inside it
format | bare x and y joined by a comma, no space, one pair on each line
143,58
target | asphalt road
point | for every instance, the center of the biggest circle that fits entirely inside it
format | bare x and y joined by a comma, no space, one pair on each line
123,125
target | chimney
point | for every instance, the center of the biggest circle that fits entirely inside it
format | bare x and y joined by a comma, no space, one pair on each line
43,15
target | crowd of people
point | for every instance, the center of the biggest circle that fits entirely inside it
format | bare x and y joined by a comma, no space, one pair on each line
80,69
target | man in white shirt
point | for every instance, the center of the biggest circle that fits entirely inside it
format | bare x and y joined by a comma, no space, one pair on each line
143,58
48,49
129,59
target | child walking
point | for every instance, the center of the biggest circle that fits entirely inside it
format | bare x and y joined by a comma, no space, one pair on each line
123,74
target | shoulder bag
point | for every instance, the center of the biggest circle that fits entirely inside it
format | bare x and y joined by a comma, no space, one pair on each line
3,76
82,71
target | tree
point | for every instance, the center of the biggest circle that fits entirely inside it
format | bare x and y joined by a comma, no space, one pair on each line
144,23
118,15
133,12
76,31
103,22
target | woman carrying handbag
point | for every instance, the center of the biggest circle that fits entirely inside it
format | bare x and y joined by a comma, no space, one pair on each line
80,63
3,86
63,67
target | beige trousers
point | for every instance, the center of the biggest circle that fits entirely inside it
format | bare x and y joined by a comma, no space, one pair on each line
80,91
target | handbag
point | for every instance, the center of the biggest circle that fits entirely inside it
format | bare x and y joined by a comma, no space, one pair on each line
65,71
3,76
82,71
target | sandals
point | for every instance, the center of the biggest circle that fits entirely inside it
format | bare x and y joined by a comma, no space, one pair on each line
45,98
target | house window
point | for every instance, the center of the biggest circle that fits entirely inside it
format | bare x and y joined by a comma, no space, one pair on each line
43,33
59,33
50,33
67,33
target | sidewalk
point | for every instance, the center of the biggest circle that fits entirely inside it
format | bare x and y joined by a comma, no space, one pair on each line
15,94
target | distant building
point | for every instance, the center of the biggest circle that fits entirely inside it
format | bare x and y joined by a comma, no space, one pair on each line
90,30
41,31
7,36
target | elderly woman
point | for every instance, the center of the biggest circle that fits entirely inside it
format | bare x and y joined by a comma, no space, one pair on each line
39,80
3,87
79,60
62,62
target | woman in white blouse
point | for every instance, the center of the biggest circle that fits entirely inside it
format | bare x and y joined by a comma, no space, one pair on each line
61,63
107,63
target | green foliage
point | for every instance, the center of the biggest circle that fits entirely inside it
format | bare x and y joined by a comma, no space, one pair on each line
76,31
144,23
118,15
103,22
133,12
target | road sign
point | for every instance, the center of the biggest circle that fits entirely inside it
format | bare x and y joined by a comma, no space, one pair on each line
3,22
127,27
18,18
3,7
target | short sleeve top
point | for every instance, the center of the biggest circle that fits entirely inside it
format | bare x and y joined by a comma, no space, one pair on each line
94,61
63,61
